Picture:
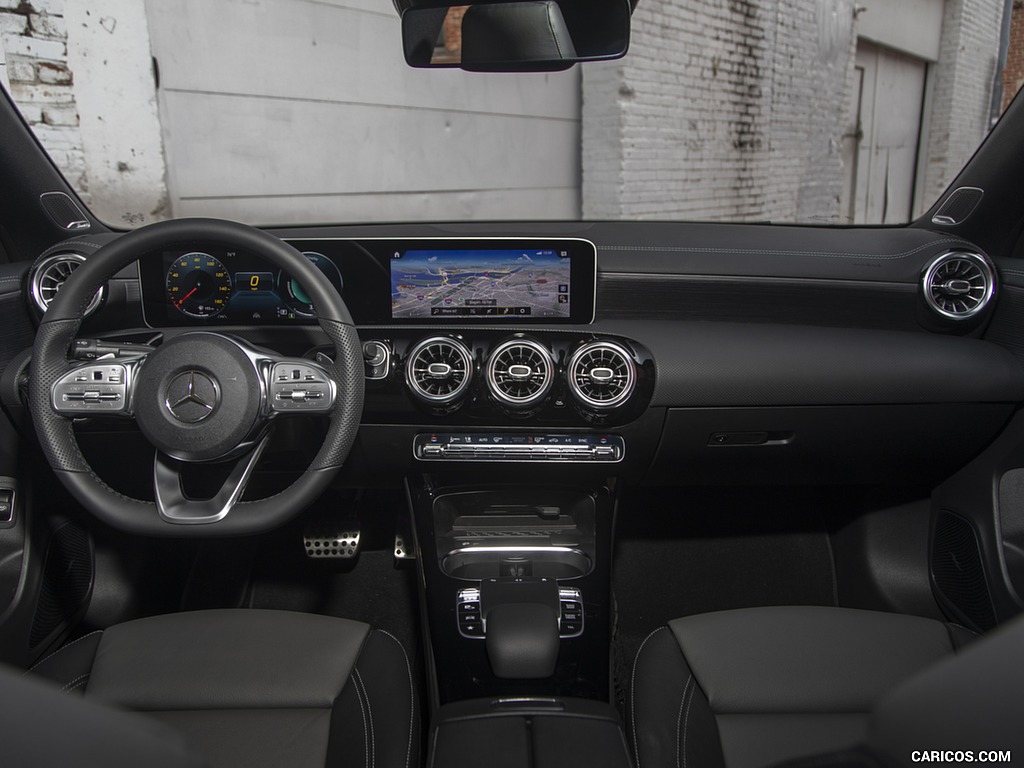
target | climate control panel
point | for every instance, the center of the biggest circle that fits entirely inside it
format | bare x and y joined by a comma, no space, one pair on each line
477,446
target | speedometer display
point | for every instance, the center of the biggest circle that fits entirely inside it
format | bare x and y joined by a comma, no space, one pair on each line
198,285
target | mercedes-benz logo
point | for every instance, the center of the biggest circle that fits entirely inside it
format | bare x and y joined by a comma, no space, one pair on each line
192,396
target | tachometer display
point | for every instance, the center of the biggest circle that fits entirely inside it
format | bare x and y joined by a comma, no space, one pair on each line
198,285
294,294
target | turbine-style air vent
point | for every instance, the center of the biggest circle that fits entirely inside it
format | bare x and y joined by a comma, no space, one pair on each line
601,375
438,369
49,275
959,285
520,372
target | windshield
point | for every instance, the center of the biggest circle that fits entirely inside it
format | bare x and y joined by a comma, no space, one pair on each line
304,111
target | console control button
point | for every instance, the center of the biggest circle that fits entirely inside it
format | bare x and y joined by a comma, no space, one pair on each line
471,623
570,620
376,359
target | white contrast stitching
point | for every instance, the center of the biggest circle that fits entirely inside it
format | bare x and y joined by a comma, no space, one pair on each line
686,718
766,252
62,648
362,711
68,243
412,695
632,695
369,709
78,681
679,719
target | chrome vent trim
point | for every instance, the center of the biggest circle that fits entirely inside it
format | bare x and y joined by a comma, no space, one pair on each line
520,372
601,374
438,369
959,284
49,275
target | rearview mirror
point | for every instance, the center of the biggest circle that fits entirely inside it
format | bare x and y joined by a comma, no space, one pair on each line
528,36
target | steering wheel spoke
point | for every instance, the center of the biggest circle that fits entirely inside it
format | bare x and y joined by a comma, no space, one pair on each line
175,506
96,388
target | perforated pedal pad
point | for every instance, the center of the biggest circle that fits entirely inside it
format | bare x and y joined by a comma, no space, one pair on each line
327,540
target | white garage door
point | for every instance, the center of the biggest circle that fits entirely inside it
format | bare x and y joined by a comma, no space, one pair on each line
323,121
888,106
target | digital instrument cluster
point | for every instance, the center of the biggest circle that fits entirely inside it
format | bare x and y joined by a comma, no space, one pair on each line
200,285
400,281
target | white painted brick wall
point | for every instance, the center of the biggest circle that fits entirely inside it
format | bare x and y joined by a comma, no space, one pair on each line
719,113
963,81
731,110
33,38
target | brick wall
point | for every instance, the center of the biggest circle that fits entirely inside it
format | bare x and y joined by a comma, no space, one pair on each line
963,79
733,110
1013,74
717,113
33,37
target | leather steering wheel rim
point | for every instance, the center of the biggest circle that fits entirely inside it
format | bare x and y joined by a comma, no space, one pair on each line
60,325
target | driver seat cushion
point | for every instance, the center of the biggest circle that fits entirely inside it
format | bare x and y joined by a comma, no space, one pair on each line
754,687
254,687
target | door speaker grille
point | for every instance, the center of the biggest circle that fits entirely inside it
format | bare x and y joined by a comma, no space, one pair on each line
67,582
958,206
958,572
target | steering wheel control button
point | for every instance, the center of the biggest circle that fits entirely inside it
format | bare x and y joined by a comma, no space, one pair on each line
300,386
92,389
192,396
573,449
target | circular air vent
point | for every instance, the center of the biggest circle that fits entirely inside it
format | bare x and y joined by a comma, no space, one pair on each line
520,372
49,275
959,285
438,369
601,374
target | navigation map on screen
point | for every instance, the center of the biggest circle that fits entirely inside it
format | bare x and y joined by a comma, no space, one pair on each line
480,283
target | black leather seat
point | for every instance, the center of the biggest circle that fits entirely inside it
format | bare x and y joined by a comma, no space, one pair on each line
250,687
755,687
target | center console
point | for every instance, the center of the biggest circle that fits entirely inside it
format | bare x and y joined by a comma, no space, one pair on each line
517,585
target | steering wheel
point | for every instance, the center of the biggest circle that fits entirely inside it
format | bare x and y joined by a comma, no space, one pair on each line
199,397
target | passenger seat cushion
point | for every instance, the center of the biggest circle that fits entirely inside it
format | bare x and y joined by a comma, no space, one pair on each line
757,686
803,659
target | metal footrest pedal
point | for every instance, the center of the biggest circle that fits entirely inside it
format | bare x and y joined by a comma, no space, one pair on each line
336,540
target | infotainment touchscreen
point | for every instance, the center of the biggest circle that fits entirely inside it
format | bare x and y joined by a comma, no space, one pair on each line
491,283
